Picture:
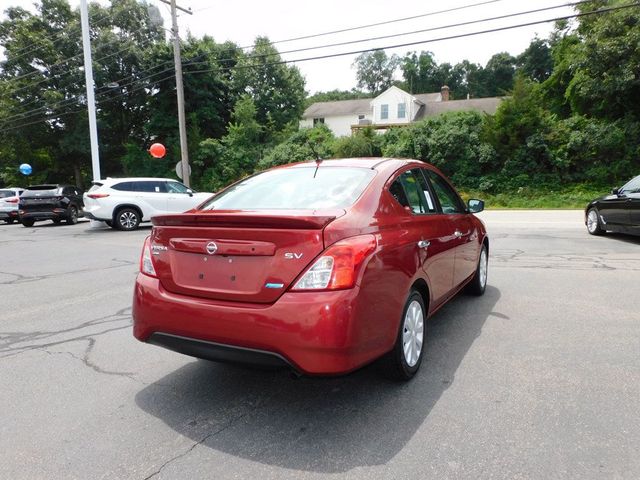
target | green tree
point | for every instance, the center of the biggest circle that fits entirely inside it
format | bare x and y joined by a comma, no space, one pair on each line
536,61
499,74
375,70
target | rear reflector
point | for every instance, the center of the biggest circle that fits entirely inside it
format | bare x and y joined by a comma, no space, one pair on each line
339,266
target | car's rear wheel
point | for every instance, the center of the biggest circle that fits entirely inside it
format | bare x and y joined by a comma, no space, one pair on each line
593,222
27,222
127,219
404,360
72,216
9,220
478,284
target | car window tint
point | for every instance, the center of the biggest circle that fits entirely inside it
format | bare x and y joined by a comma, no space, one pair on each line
397,191
632,187
68,191
123,186
449,200
176,187
426,191
413,190
6,193
295,188
151,186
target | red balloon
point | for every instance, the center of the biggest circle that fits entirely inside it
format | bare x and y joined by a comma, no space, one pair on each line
157,150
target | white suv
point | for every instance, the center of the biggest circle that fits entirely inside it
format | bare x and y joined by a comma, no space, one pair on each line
123,203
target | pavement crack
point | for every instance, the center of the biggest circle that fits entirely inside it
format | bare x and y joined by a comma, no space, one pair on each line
224,427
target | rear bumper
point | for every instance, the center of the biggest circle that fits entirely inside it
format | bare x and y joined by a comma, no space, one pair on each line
315,333
8,214
91,216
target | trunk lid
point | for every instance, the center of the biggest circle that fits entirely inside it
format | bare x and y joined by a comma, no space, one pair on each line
244,256
39,199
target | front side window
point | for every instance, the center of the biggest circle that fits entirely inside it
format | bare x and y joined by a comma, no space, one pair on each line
299,188
176,187
122,186
632,187
384,111
449,200
402,110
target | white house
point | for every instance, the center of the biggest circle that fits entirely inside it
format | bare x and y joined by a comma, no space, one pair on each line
392,108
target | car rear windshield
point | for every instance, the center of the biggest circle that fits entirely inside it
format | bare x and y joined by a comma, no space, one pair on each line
295,188
40,190
7,193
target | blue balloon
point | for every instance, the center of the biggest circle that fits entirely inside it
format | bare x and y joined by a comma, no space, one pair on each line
26,169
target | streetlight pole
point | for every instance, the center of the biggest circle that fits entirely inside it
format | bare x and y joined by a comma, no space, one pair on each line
184,150
91,101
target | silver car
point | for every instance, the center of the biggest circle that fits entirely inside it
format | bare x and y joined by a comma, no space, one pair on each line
9,204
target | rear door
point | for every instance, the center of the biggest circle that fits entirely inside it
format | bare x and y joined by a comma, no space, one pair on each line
632,206
427,234
464,232
153,194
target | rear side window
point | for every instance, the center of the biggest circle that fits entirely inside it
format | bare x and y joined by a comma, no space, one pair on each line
296,189
151,187
123,186
410,189
6,193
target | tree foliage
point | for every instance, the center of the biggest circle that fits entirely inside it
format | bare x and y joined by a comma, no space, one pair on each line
375,70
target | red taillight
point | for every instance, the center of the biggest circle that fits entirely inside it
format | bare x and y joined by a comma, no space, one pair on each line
338,267
146,259
12,200
97,195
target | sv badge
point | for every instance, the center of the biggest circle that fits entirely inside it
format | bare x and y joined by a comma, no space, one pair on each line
292,256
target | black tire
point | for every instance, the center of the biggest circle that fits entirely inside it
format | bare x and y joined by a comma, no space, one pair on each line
478,284
72,216
593,222
127,219
109,223
9,221
28,222
395,364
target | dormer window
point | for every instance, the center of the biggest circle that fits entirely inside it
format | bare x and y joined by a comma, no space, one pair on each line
402,110
384,112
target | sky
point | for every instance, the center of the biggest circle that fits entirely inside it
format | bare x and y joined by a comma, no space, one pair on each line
241,21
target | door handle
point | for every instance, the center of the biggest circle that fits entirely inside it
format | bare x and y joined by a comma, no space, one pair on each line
424,243
457,234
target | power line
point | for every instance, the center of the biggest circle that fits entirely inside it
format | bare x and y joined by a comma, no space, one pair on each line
431,29
321,57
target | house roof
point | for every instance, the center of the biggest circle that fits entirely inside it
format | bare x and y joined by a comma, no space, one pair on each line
339,107
428,97
487,105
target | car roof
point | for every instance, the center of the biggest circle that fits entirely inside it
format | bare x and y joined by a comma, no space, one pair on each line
135,179
381,164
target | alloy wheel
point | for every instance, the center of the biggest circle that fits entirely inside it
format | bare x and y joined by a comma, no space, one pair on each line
413,333
128,220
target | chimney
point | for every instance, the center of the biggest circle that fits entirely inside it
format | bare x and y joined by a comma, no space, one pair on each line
444,93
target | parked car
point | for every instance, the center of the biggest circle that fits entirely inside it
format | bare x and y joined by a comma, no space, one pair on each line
617,212
50,202
123,203
9,204
324,267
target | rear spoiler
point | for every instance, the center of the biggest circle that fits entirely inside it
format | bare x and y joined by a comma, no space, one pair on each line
249,219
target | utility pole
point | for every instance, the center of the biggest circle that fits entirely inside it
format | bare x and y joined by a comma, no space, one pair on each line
180,89
91,101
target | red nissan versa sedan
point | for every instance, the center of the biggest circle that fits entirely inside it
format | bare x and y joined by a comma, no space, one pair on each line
321,266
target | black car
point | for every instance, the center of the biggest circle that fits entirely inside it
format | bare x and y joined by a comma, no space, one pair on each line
50,202
617,212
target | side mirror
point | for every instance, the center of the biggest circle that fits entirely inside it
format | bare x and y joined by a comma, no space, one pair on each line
475,206
615,191
190,192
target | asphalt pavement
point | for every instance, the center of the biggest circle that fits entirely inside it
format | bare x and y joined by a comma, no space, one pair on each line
537,379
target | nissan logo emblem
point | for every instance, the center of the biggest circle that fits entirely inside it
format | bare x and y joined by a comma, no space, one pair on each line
212,248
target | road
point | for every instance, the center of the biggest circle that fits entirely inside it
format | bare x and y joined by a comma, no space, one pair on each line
537,379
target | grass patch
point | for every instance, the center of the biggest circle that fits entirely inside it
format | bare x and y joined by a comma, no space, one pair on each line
573,196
